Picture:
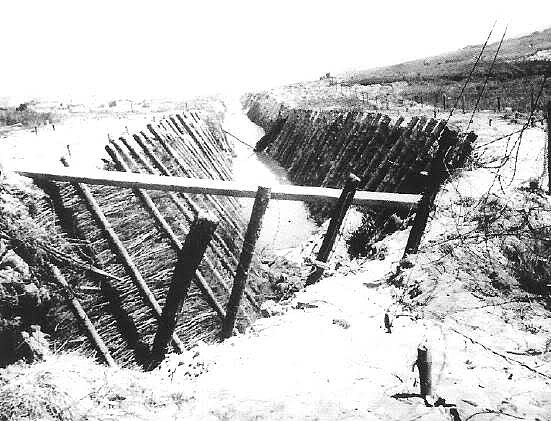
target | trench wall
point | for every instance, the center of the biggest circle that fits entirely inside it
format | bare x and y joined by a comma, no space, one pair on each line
184,146
321,147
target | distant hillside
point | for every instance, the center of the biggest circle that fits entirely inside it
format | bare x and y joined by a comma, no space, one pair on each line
524,56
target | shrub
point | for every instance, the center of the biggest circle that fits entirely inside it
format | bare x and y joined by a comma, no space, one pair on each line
24,116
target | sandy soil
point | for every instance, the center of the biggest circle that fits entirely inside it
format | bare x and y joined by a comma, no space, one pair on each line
86,136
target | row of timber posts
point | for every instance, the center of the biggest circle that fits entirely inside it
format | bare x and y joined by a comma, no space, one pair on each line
497,105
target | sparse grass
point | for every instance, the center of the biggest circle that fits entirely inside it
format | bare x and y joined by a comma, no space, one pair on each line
517,72
24,397
27,118
513,61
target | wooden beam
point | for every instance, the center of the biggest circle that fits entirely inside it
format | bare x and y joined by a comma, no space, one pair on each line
216,187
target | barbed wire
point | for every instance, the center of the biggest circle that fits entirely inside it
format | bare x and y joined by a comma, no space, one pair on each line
471,73
487,78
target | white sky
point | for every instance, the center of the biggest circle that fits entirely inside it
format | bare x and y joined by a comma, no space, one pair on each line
174,48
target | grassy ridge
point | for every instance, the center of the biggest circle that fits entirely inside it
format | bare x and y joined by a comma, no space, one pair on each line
517,57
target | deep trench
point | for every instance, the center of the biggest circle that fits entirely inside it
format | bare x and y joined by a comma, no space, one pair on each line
286,223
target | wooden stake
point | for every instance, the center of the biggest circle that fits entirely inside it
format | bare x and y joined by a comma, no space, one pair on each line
119,249
436,176
188,262
82,317
251,236
424,366
339,213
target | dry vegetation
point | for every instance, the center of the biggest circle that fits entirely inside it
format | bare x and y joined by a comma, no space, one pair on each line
25,117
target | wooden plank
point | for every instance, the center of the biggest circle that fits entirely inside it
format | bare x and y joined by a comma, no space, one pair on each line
216,187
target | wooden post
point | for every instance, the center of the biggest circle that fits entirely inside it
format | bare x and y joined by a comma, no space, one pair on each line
444,101
436,176
549,144
424,366
118,248
498,104
189,258
82,317
335,223
251,236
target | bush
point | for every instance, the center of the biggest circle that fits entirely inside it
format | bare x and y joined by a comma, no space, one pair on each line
24,116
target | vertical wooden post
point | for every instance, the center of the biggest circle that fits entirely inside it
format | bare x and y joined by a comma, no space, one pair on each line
498,104
82,317
436,176
424,366
549,144
189,258
251,236
335,223
444,101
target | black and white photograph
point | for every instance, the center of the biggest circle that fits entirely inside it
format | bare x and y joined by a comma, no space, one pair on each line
275,210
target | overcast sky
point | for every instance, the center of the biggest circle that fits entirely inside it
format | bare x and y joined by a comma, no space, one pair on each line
174,48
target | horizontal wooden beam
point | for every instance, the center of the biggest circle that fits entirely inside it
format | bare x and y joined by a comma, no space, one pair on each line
216,187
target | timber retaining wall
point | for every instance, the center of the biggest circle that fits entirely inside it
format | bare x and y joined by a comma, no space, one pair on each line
179,145
321,147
